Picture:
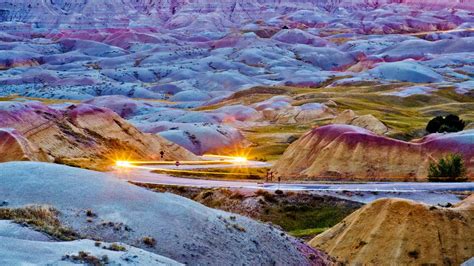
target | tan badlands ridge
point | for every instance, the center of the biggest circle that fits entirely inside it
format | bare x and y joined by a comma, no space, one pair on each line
83,134
404,231
349,152
369,122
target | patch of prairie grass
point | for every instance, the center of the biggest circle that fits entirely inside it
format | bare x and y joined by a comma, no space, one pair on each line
404,115
40,218
307,233
13,97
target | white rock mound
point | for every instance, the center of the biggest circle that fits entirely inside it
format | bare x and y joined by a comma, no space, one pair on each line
22,246
184,230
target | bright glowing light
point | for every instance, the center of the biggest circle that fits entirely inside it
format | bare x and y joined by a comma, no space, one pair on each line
123,164
231,159
240,159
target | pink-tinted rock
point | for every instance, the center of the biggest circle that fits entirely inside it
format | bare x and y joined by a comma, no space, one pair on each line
348,152
83,134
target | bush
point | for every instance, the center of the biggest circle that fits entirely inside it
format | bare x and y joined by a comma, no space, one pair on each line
90,213
450,123
448,169
86,258
149,241
116,247
269,197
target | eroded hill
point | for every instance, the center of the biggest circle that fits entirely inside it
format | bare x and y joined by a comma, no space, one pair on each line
403,232
81,135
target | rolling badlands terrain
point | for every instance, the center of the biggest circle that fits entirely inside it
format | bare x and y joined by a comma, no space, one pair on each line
315,89
175,55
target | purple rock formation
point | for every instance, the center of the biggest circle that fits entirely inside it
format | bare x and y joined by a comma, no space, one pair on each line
197,52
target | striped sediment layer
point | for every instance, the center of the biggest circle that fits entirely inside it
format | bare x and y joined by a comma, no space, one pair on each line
349,152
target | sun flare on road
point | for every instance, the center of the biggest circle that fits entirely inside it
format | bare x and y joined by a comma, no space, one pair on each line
240,159
123,164
232,159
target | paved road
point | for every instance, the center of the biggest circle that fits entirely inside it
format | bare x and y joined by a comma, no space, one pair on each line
146,176
143,174
431,193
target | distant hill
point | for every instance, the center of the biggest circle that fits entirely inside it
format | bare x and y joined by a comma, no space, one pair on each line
117,12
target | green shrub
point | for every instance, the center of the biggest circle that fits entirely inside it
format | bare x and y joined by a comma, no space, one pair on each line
450,123
116,247
448,169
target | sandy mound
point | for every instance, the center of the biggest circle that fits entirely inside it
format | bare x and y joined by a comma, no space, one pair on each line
368,122
342,151
80,132
402,232
184,230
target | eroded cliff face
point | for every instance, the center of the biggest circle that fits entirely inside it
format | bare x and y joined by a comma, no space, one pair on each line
83,13
349,152
403,232
109,12
81,135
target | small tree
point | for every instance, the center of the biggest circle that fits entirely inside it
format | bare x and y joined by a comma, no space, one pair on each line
448,169
450,123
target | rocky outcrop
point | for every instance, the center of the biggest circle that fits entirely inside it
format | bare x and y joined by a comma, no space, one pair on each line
279,109
371,123
345,117
15,147
368,122
402,232
163,10
172,14
83,133
349,152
